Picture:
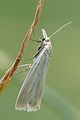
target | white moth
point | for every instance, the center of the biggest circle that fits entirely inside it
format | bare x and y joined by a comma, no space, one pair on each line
30,95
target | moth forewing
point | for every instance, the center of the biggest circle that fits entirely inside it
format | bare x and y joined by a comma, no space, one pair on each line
30,95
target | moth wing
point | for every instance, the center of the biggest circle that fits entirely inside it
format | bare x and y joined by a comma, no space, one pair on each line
29,97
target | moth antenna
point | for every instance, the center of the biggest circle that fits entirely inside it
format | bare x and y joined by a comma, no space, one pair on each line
60,28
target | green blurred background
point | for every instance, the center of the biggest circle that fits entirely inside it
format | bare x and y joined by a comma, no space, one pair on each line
61,98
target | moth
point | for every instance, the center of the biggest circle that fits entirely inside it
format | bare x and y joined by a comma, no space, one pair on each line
30,95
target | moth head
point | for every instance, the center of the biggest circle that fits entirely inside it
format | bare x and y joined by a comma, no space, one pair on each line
45,37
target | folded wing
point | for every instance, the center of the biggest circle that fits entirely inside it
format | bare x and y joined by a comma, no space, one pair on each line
29,97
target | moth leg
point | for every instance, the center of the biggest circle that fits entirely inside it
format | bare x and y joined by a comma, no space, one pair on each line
38,41
27,67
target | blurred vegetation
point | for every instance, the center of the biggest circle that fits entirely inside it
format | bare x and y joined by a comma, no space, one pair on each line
61,98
